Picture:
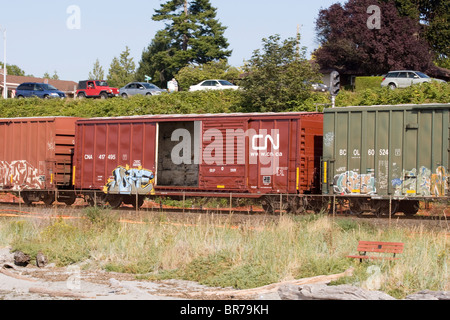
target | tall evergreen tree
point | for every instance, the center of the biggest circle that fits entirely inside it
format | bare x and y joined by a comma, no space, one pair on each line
192,35
122,71
97,72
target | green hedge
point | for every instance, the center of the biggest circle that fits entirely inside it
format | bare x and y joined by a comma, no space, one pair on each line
215,102
363,83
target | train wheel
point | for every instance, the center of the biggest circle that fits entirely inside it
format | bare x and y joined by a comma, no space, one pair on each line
132,200
98,199
26,200
115,201
48,199
267,205
271,204
68,199
355,207
318,205
409,208
381,207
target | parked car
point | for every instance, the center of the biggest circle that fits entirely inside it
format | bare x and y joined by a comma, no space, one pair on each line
96,89
142,88
40,90
213,85
405,78
315,86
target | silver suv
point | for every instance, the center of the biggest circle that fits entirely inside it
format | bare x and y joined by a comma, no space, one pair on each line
405,78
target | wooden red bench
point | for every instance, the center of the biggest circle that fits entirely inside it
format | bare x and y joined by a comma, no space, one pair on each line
378,247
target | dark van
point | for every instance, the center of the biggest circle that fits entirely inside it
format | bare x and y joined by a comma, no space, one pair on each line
40,90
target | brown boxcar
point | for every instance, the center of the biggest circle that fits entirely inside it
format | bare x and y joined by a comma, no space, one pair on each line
251,154
36,157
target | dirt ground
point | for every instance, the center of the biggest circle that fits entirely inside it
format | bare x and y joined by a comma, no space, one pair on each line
74,283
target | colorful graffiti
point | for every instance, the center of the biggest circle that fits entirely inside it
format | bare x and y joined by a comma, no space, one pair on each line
352,182
126,180
20,175
422,182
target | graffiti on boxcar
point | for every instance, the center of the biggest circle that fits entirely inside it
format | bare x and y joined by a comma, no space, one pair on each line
20,174
422,182
126,180
353,182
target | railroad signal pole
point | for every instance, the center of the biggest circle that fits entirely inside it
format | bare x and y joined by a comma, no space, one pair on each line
335,86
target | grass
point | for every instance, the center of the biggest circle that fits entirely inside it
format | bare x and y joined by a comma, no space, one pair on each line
214,253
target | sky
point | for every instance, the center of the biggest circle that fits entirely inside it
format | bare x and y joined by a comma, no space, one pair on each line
68,36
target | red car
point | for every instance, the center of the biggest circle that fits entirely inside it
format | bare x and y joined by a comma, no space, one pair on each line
96,89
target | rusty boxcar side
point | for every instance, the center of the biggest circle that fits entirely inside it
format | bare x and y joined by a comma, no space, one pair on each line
36,156
252,154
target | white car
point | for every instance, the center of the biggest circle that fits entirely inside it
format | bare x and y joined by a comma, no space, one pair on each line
213,85
405,78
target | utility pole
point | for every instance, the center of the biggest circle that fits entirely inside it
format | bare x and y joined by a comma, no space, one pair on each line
5,89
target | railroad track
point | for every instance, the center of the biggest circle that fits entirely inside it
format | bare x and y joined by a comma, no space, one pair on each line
250,211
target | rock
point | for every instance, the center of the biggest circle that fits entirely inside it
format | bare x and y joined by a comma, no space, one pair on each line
21,259
6,256
324,292
41,260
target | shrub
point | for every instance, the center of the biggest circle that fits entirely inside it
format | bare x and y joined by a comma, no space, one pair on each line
363,83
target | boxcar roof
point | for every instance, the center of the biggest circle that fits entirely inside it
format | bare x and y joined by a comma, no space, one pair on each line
43,118
390,107
208,115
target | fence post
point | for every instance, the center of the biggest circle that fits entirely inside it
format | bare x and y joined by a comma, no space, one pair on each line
334,206
390,210
137,202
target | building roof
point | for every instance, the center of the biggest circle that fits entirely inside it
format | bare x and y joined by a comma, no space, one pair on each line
14,81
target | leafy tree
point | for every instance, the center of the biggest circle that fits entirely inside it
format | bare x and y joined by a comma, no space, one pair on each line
193,74
13,70
278,76
122,70
192,35
434,17
53,77
349,45
97,72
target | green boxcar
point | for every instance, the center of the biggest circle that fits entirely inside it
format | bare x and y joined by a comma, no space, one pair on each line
386,158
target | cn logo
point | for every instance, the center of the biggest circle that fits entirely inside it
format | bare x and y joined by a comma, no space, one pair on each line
265,139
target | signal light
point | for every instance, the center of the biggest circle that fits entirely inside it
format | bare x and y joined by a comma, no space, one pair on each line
335,83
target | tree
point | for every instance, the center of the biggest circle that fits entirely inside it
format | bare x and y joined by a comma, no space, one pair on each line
192,35
13,70
278,77
55,76
97,72
193,74
123,70
434,17
350,46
